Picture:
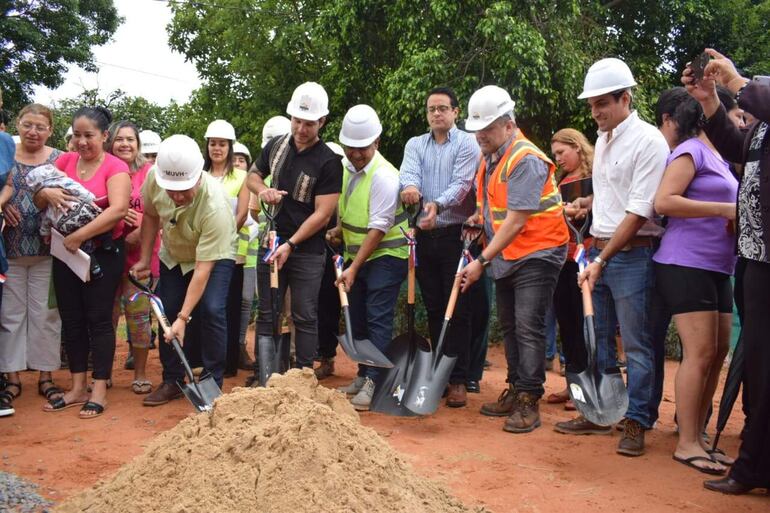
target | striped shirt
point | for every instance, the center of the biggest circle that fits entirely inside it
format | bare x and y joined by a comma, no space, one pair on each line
443,173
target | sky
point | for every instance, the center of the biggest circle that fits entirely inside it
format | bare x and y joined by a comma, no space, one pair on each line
138,60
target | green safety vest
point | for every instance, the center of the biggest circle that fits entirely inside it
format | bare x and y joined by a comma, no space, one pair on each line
246,246
354,215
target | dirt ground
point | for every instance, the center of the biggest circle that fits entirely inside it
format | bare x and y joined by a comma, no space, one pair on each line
470,454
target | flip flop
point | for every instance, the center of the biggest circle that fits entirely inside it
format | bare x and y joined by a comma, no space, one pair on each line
60,404
91,410
719,456
690,462
141,386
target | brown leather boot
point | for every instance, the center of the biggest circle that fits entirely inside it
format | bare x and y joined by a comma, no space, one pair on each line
504,404
525,416
457,396
324,370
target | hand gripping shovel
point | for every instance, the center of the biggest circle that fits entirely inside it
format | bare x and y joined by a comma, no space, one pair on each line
200,394
600,396
360,351
432,368
271,349
392,383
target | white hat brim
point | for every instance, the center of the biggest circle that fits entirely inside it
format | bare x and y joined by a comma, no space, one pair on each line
176,185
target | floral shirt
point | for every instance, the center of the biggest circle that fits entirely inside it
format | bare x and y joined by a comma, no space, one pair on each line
24,239
751,243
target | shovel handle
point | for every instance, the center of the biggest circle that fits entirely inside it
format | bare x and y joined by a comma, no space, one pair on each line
588,304
341,288
410,286
450,307
273,265
164,324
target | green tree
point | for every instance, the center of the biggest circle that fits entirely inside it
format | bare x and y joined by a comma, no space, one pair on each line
38,40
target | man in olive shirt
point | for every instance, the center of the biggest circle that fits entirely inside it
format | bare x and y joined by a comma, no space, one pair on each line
196,260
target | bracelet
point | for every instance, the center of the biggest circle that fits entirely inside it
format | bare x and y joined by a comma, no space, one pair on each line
185,318
483,260
599,260
291,245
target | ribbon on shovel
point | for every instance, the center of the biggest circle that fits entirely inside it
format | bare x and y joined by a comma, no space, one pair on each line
152,297
411,241
580,257
273,246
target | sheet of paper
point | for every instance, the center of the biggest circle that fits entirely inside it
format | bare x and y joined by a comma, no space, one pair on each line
79,262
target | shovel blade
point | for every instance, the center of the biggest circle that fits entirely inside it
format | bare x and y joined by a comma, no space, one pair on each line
601,398
266,351
363,351
391,384
202,393
429,379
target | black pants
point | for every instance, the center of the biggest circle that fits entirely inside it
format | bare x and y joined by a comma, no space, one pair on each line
438,253
86,311
568,306
328,311
480,297
752,467
234,297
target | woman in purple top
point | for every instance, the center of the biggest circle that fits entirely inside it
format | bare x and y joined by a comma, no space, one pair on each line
693,269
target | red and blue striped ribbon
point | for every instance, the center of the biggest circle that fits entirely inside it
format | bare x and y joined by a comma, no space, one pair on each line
274,243
411,241
580,257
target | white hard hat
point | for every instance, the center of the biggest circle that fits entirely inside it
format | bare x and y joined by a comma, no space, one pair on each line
605,76
309,102
486,105
336,148
150,141
275,126
241,148
220,129
179,163
360,127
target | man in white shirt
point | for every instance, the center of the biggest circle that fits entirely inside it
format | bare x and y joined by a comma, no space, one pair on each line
629,161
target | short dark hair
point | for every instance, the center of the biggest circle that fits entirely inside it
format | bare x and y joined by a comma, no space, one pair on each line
685,110
668,102
101,116
446,91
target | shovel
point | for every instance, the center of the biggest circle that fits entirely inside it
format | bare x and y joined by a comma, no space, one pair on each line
600,396
360,351
432,368
392,383
200,394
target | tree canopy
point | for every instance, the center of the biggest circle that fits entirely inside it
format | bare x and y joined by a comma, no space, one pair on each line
252,53
39,39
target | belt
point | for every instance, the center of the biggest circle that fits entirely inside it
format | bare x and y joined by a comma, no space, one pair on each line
453,230
637,242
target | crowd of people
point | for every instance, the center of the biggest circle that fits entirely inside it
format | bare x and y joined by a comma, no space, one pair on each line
666,207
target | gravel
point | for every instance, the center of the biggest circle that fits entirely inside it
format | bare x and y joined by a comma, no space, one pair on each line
20,496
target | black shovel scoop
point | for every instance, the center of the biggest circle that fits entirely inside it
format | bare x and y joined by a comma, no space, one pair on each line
200,394
391,384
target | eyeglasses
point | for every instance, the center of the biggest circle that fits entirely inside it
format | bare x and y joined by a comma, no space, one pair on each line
37,128
441,108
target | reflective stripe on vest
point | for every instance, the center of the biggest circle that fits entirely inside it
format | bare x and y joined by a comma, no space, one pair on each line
545,228
354,215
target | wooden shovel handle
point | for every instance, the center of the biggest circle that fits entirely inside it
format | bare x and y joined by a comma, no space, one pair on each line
450,307
588,304
273,266
410,286
341,288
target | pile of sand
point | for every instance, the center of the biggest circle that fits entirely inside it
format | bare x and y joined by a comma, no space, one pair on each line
289,448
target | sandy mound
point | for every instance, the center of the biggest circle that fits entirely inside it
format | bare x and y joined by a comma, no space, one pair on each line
292,447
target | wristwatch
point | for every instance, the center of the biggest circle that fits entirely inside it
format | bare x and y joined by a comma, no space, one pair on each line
482,260
599,260
185,318
291,245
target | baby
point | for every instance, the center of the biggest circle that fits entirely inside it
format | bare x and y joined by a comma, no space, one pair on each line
81,211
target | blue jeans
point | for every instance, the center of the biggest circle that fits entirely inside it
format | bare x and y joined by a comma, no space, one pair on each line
623,295
373,303
522,301
206,335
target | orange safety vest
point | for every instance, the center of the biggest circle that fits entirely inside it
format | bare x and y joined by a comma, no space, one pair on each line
544,228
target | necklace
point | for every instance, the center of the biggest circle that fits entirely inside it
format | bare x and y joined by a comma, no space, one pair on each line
84,170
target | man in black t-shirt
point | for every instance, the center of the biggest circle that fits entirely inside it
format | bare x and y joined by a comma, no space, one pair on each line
306,182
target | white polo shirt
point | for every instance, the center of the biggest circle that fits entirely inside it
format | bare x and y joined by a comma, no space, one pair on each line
626,173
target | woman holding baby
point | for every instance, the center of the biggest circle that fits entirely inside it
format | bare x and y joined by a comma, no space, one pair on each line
31,334
86,307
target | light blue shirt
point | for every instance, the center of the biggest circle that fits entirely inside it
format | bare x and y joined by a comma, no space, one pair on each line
443,173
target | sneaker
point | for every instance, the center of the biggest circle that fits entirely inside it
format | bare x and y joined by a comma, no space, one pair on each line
503,407
325,369
363,398
6,408
354,387
581,426
632,441
525,416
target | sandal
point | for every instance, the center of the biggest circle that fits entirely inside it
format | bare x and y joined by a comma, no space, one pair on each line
49,391
91,410
719,456
141,386
7,395
690,462
60,404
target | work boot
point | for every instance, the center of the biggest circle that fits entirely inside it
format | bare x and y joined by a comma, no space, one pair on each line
581,426
354,387
363,398
325,369
632,441
164,393
503,407
525,416
244,360
457,396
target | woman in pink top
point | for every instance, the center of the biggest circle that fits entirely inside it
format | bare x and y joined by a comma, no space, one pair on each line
124,144
86,307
